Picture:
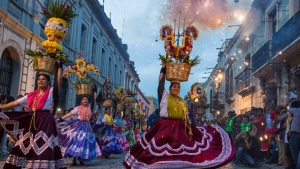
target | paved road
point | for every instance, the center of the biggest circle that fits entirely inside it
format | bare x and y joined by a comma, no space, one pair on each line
116,160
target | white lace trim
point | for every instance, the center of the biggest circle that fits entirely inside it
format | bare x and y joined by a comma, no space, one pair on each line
37,164
206,138
50,142
224,155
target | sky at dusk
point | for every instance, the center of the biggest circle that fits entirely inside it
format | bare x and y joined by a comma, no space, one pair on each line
138,23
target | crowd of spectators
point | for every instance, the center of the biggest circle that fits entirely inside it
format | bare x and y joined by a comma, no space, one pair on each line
270,134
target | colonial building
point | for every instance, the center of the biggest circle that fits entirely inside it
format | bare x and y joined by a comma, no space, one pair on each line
261,61
90,35
153,104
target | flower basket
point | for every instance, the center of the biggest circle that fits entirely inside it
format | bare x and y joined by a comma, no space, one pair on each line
107,103
177,71
84,89
56,29
44,64
120,107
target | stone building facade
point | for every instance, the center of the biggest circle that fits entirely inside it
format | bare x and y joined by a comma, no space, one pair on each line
261,61
91,34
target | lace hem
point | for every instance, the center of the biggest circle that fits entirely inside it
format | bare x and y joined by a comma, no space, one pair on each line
38,164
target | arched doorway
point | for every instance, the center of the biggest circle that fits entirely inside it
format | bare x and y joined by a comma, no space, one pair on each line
6,69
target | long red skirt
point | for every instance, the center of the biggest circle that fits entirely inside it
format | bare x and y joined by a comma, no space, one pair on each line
167,145
33,148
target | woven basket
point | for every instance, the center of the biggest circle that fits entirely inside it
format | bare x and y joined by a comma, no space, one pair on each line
107,103
177,71
44,64
120,107
84,89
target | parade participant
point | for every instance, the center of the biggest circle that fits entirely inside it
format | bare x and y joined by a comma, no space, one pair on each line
35,132
174,143
128,131
136,130
81,143
119,132
108,142
152,119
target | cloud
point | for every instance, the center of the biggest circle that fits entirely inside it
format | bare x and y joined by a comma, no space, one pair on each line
143,20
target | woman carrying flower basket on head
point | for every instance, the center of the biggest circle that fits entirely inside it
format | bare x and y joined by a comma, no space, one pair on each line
81,143
118,121
128,131
108,142
173,143
35,132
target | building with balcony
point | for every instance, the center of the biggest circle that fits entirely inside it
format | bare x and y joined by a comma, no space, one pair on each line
261,61
91,34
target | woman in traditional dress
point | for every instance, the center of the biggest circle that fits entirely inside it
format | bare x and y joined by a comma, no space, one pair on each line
173,143
137,130
35,132
81,143
119,132
108,142
128,131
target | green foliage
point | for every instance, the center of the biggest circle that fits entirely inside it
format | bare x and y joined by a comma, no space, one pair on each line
165,59
59,10
192,62
186,59
34,54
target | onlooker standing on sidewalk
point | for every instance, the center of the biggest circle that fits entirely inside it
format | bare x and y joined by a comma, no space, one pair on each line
230,122
280,126
294,110
270,114
246,124
259,121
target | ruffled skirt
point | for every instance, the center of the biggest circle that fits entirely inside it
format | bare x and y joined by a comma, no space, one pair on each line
37,143
122,139
109,143
78,140
167,145
130,137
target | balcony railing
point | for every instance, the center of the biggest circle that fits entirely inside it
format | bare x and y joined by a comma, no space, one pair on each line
261,56
243,80
288,33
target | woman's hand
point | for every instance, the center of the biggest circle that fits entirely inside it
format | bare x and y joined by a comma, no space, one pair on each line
163,65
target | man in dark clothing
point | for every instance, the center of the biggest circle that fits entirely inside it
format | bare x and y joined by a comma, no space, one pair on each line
153,118
245,143
192,116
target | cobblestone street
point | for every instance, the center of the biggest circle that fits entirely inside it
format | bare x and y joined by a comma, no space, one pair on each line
116,160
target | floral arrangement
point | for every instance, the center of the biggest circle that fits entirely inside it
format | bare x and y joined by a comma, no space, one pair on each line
58,10
197,91
178,52
81,68
59,17
121,94
130,92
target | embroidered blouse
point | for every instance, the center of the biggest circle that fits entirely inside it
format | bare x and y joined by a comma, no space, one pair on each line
47,106
169,106
107,120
